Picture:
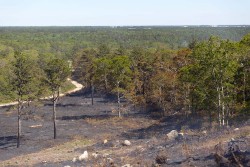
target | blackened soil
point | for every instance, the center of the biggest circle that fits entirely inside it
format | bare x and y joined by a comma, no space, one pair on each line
77,117
37,127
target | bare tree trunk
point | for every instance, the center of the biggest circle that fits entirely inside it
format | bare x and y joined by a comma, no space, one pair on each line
188,98
174,92
19,123
55,99
54,117
187,101
244,89
106,82
219,105
223,106
118,100
161,101
210,118
92,94
227,116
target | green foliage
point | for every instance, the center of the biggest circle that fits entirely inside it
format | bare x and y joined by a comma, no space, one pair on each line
150,67
102,65
120,69
25,79
57,71
85,66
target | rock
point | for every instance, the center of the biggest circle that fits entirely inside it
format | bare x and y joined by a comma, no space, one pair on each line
204,132
67,166
74,160
95,155
105,141
126,143
127,165
84,156
236,129
172,135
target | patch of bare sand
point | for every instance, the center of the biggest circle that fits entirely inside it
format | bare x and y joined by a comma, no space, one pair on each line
57,154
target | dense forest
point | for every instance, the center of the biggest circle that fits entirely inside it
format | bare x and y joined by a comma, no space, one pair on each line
166,69
64,41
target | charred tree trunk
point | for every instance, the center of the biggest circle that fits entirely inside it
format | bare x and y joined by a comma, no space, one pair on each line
92,94
55,99
54,117
19,121
118,99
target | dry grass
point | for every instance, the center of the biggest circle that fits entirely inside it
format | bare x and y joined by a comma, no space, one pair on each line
62,152
186,150
129,123
210,143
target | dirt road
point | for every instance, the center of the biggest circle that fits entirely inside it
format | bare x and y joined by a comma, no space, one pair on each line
77,85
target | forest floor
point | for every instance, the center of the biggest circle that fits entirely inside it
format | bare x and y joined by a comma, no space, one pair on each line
97,129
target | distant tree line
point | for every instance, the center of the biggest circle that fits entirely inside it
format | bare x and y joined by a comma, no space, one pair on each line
64,42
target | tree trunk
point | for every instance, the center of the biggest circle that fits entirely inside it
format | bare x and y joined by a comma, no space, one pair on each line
219,105
54,117
223,106
19,122
118,100
55,98
106,82
187,101
92,94
244,89
227,116
161,101
210,118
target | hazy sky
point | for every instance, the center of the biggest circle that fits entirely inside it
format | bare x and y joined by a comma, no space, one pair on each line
123,12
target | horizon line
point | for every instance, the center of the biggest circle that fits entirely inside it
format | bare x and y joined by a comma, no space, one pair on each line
177,25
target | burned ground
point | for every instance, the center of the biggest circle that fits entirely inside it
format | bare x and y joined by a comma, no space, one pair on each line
82,126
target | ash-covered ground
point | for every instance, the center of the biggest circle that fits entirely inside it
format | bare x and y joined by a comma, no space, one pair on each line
97,130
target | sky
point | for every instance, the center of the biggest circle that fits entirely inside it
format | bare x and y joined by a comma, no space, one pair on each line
123,12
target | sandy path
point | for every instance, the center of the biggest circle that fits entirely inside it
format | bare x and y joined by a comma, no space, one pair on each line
77,85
